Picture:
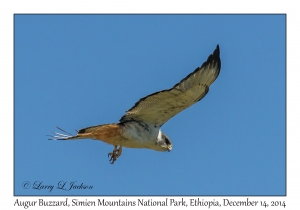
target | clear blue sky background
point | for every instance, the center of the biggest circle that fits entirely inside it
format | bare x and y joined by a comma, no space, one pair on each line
75,71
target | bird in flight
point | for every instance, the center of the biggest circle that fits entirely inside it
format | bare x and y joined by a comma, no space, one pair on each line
140,126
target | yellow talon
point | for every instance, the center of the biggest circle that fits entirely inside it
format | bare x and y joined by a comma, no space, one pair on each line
115,154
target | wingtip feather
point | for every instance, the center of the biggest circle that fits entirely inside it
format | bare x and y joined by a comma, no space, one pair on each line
217,51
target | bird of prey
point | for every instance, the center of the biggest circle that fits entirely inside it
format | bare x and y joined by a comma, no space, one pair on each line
140,126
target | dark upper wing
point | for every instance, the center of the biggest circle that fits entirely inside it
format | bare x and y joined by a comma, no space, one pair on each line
159,107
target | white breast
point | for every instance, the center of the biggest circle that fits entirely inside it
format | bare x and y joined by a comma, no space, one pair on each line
140,135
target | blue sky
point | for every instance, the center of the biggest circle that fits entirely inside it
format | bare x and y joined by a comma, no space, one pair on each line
75,71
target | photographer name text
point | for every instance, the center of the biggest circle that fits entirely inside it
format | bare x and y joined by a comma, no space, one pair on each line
61,185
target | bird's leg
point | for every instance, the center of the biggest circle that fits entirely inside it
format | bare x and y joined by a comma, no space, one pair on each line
115,154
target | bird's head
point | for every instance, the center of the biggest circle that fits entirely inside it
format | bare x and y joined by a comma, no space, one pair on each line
164,142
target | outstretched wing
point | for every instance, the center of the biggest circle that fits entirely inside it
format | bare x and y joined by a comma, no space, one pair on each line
159,107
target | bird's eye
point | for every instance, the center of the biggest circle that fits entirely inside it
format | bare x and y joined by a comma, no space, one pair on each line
167,141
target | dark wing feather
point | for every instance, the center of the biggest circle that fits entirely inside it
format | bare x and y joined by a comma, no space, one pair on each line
159,107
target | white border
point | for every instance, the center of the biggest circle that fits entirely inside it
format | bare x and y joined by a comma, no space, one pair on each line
9,8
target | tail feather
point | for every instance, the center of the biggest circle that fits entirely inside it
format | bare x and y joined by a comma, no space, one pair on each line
84,133
62,136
